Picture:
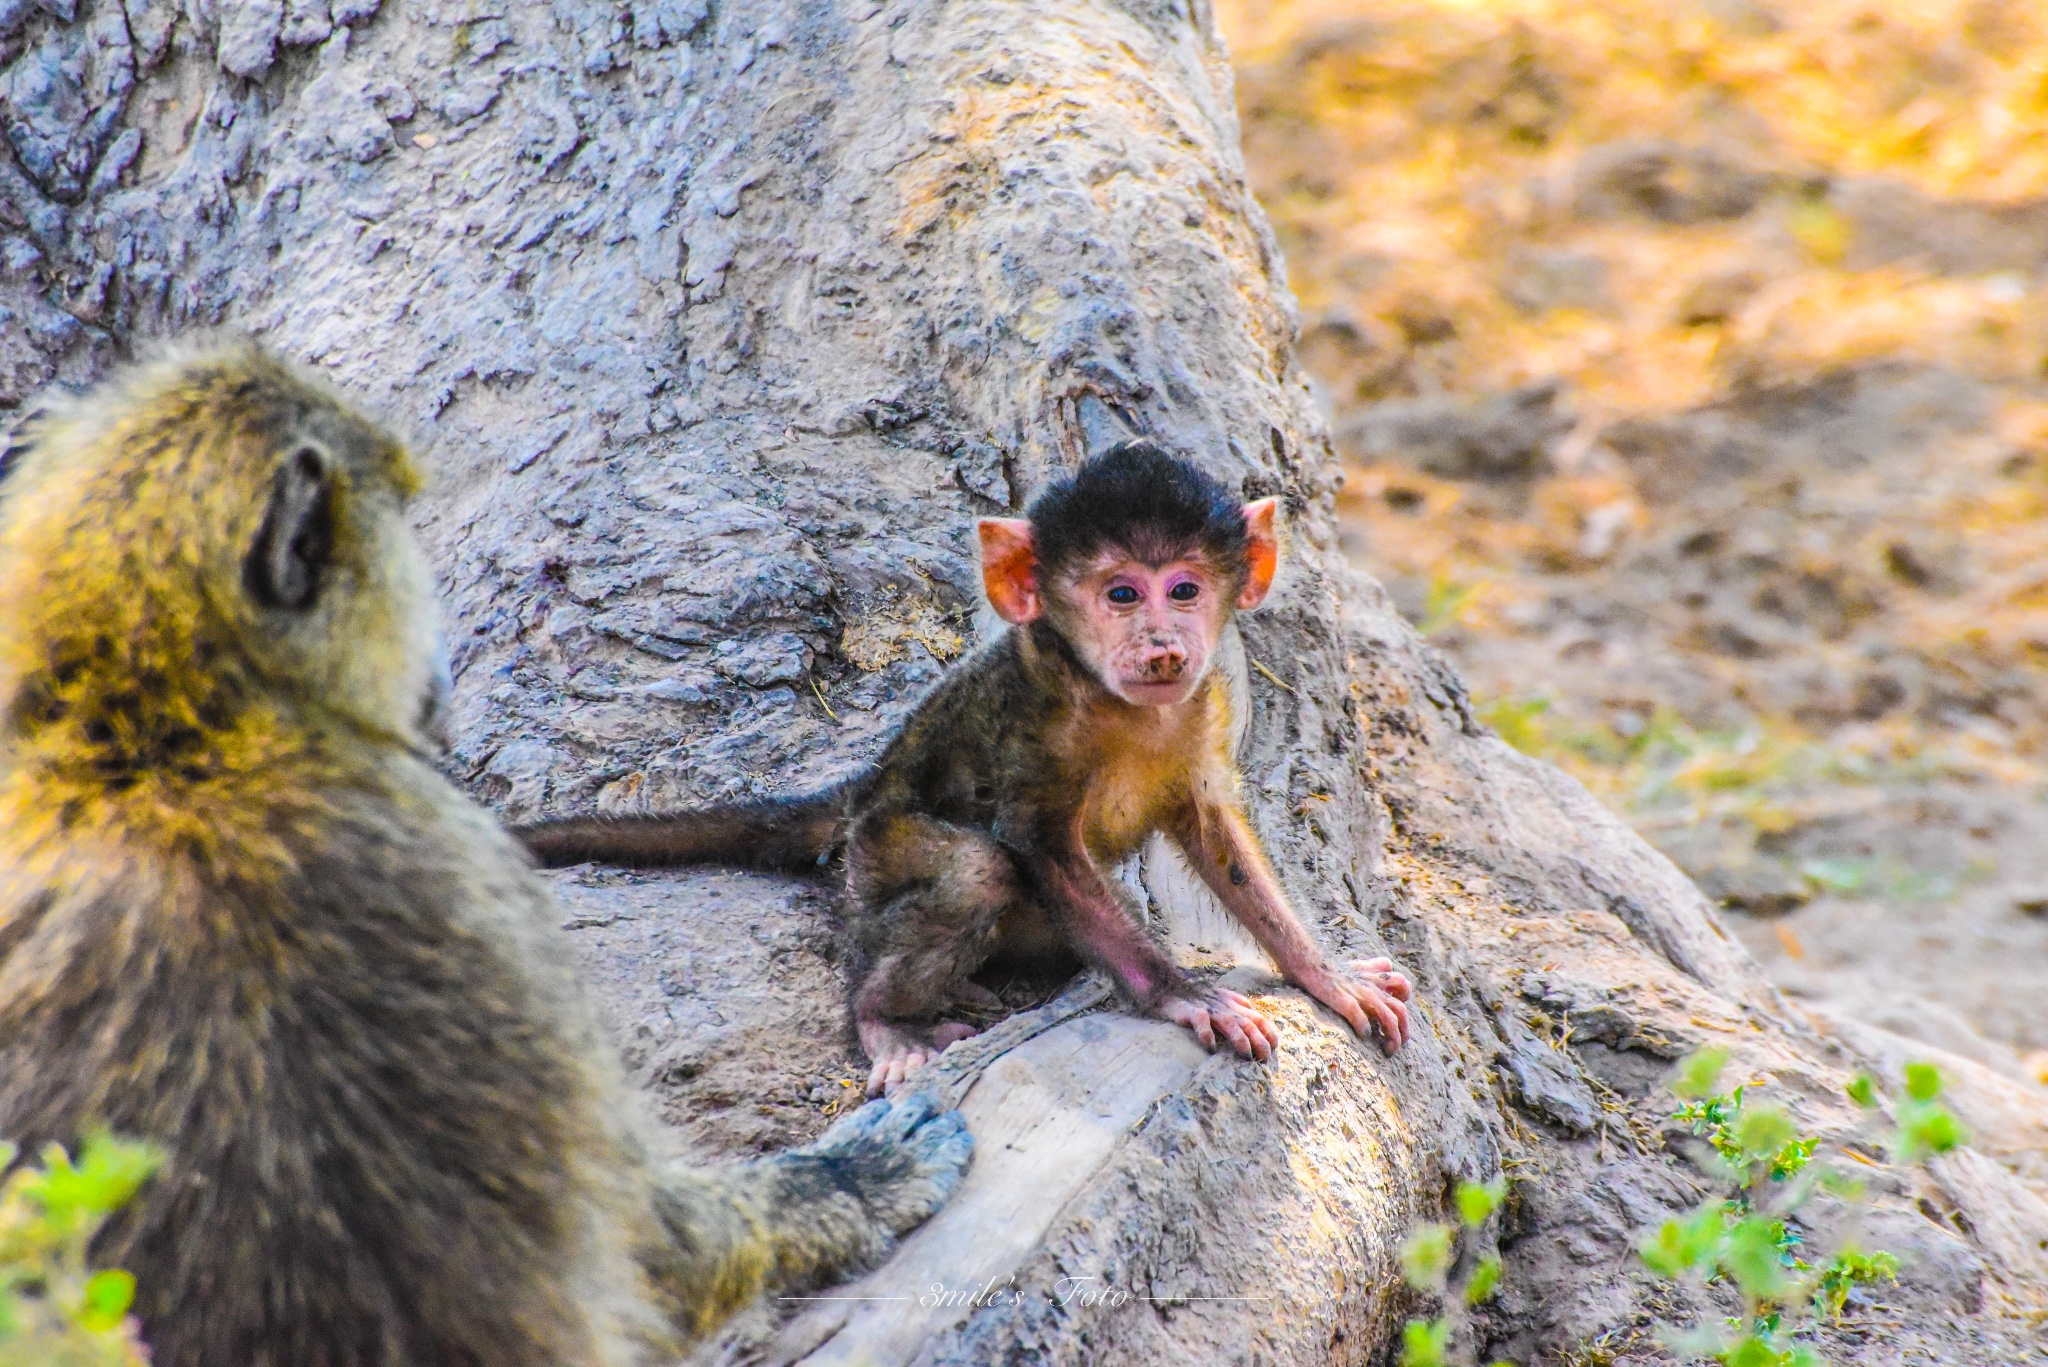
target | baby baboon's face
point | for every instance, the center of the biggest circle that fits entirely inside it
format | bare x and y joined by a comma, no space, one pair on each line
1147,631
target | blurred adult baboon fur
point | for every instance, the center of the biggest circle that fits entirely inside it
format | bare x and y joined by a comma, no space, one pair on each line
243,917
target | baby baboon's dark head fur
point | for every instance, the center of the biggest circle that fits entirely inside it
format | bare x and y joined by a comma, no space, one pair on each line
1141,499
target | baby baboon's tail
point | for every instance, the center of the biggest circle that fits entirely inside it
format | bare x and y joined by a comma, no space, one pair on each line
789,835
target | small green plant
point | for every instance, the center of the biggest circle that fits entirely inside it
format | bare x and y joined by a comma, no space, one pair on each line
1427,1256
1519,721
1892,879
1745,1238
1445,603
54,1310
1660,762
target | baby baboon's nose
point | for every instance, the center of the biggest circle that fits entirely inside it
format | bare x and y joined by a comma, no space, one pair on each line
1165,662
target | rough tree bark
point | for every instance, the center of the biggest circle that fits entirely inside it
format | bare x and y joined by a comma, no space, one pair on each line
721,322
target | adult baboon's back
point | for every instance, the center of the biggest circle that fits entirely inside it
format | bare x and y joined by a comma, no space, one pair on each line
244,918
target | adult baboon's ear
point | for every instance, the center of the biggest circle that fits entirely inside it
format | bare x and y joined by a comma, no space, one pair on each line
1262,551
296,540
1009,569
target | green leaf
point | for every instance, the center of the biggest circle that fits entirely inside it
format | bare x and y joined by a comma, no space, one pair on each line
1928,1128
1863,1091
1426,1257
1943,1132
1689,1245
1707,1117
1763,1131
1923,1081
1698,1072
106,1175
1848,1269
108,1295
48,1214
1485,1280
1664,1252
1751,1255
56,1190
1793,1157
1425,1343
7,1153
1751,1350
112,1170
1477,1201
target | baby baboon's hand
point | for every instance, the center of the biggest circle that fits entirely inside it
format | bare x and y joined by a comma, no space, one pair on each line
1370,994
903,1157
1226,1015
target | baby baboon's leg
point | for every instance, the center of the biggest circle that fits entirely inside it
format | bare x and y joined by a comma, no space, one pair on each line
931,897
807,1217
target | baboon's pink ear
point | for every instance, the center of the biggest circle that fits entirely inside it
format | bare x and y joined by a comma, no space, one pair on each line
1009,568
1262,551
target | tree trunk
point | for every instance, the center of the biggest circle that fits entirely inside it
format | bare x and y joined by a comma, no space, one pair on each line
720,324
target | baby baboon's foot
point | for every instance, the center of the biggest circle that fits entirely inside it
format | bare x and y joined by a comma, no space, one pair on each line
972,997
902,1157
1228,1016
896,1050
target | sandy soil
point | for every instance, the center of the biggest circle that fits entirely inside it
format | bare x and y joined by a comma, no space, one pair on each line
1699,420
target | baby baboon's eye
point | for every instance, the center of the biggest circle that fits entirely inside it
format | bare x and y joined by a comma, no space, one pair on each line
1123,595
1186,591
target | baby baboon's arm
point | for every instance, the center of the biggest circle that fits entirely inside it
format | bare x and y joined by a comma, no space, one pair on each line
1219,841
1101,929
809,1216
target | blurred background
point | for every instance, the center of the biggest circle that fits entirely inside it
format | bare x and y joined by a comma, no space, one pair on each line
1690,366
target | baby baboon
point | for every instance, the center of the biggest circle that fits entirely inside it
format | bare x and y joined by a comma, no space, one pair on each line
1057,750
243,918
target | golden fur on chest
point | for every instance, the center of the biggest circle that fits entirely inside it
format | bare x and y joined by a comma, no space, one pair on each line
1139,767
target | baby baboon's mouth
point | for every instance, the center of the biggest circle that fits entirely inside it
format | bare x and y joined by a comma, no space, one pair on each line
1158,692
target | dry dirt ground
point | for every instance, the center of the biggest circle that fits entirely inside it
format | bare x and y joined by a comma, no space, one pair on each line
1688,365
